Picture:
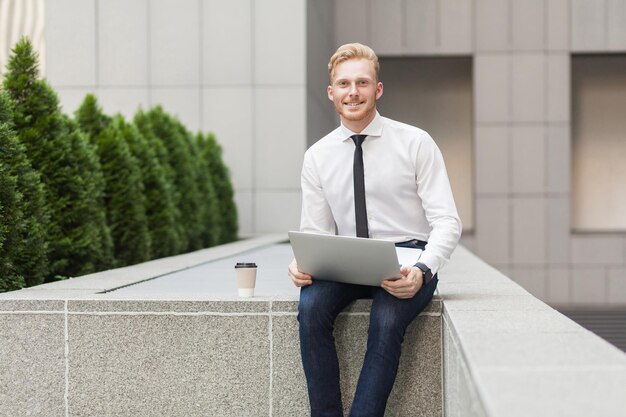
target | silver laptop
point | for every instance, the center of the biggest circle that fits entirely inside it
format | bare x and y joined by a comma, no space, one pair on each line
346,259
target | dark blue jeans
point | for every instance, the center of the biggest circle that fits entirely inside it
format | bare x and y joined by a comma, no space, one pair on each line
320,303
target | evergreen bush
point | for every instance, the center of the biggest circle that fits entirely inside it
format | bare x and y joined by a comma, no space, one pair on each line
23,245
210,222
144,125
161,190
79,240
160,211
211,156
180,160
10,219
123,191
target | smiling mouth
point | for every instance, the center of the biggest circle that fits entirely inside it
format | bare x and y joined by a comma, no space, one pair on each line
353,104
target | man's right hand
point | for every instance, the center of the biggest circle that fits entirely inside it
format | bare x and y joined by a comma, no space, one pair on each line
300,279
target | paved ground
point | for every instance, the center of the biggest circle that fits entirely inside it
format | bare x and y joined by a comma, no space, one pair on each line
217,278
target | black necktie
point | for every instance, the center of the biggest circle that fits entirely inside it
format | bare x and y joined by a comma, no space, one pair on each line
360,211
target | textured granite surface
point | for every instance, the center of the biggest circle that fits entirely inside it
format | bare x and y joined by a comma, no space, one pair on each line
169,365
417,390
32,373
289,393
508,354
183,343
180,350
10,305
104,304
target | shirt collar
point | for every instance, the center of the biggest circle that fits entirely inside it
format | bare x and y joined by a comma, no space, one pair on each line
375,128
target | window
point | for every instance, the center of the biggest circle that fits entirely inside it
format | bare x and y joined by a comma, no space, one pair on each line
435,94
598,143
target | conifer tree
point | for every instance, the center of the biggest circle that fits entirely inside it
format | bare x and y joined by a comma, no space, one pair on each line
91,244
124,199
79,240
211,155
178,157
23,245
10,222
144,125
160,210
211,218
90,117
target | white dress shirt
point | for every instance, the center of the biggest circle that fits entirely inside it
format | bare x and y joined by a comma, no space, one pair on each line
407,190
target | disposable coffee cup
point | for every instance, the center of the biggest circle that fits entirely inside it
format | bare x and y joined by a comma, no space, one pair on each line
246,278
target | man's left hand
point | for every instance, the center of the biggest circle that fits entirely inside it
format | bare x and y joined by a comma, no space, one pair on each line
406,286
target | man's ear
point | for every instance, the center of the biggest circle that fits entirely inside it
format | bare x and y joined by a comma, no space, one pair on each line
379,90
329,92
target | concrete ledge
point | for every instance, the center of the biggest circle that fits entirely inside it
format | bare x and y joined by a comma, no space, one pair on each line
185,345
122,343
111,280
508,354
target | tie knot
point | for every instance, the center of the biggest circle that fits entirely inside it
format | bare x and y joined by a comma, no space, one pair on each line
358,139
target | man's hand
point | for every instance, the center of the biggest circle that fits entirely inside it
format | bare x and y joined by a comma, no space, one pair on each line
406,286
300,279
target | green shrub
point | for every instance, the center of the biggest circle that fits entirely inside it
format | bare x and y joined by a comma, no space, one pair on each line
79,240
179,159
211,156
23,245
210,222
90,117
124,199
144,125
161,190
160,210
11,216
123,191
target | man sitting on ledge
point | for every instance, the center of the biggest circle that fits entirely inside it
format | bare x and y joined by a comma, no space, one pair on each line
379,178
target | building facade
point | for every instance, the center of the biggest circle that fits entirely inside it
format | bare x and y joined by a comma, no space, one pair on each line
525,98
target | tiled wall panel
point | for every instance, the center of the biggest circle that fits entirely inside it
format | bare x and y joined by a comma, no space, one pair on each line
528,25
492,88
174,42
528,87
493,230
71,45
616,25
558,159
456,26
227,63
277,211
557,87
492,149
385,25
528,153
123,43
274,38
278,134
529,225
228,113
558,230
351,17
588,25
493,25
557,25
421,19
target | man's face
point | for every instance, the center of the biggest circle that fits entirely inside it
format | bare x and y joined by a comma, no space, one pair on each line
354,91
